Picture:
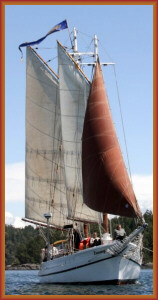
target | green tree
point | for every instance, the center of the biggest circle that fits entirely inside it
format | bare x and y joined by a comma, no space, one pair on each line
148,238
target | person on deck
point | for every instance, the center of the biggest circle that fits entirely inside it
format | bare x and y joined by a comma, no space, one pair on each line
77,237
119,233
53,251
95,240
44,253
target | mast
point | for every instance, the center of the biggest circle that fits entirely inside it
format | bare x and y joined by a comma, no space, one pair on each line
86,230
105,222
77,55
75,40
95,48
48,216
73,91
96,55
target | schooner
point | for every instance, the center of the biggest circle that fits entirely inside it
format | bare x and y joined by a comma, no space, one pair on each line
75,171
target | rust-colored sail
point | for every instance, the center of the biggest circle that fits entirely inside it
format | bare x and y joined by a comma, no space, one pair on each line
106,184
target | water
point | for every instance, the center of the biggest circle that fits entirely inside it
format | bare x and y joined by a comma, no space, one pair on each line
26,283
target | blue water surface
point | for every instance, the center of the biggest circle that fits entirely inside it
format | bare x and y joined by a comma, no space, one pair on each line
27,283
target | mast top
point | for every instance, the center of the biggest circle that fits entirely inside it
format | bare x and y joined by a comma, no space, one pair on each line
95,48
75,40
78,55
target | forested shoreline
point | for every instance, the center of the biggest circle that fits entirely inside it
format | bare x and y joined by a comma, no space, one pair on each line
23,245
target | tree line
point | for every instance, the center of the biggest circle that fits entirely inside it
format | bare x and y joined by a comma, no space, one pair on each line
23,245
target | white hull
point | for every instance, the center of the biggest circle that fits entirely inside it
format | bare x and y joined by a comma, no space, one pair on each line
91,265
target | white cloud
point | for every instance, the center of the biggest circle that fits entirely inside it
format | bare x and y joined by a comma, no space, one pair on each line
14,221
15,182
143,188
9,219
18,223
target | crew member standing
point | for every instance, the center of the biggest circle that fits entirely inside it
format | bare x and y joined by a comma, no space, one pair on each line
119,233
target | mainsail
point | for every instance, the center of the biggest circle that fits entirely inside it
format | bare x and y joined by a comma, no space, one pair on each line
106,184
55,112
74,90
44,184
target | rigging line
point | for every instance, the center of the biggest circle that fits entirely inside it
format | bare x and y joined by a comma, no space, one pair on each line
92,214
40,201
68,89
62,166
92,73
121,152
67,48
69,33
105,51
44,133
85,34
78,176
36,213
122,122
46,202
32,209
38,105
43,151
37,200
51,193
52,111
119,101
43,48
61,177
60,213
58,189
43,82
58,169
75,63
148,249
87,57
86,215
44,63
38,176
77,161
51,59
88,45
33,191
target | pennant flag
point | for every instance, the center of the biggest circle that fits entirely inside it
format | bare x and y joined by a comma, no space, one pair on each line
58,27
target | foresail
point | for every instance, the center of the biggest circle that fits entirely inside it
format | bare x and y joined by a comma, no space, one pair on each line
74,90
44,184
106,184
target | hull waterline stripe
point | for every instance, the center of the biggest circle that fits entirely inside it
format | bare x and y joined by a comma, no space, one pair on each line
107,282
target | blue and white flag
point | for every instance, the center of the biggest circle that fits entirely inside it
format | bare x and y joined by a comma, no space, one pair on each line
58,27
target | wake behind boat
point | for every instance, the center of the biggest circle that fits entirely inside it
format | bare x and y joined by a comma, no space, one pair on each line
75,171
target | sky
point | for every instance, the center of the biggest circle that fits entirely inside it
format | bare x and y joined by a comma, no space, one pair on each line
125,34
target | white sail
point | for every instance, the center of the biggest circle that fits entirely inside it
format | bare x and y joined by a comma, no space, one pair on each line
73,91
45,186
